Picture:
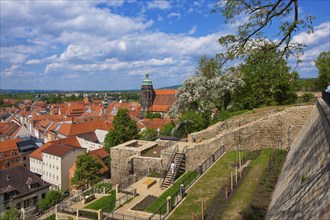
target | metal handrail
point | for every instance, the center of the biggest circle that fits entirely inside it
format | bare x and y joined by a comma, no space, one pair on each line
168,166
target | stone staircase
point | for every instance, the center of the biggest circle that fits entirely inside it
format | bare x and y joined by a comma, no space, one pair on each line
180,167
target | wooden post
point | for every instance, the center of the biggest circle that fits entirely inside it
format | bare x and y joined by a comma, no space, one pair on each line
117,190
231,181
226,188
169,204
99,214
236,174
242,158
202,210
240,162
193,216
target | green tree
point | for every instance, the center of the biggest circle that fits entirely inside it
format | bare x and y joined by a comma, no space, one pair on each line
11,214
189,122
125,129
208,67
148,134
263,17
168,128
151,115
267,81
87,171
322,63
52,198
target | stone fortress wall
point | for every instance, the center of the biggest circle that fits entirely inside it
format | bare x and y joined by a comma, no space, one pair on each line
302,191
276,129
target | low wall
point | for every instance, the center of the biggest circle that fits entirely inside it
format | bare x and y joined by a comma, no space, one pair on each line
142,164
275,130
302,191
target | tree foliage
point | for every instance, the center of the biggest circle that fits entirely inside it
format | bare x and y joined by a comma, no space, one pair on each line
148,134
208,67
257,20
11,214
322,63
202,94
267,81
125,129
168,128
151,115
87,171
189,122
52,198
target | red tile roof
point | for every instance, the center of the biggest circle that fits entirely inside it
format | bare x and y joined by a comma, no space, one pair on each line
9,145
37,153
68,142
102,153
164,99
57,150
81,128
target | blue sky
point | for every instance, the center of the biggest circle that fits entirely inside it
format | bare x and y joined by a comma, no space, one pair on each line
107,45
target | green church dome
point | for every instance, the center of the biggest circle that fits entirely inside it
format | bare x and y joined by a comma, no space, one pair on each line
147,81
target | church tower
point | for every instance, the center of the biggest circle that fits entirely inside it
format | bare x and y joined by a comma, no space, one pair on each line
147,95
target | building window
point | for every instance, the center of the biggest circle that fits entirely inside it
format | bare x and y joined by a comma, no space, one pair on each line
26,203
12,153
24,158
3,155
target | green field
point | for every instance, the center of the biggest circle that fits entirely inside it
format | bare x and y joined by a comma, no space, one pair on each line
206,187
169,192
245,192
106,203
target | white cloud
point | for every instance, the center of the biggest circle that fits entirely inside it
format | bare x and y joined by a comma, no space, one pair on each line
156,4
44,60
122,45
174,14
10,71
321,32
192,30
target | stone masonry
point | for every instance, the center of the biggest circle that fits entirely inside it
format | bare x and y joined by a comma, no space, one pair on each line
302,191
277,129
127,159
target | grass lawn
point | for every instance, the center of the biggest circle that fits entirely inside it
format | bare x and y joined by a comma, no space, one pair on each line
206,187
106,203
245,192
169,192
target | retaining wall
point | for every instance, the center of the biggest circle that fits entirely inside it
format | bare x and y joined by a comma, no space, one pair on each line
277,129
302,191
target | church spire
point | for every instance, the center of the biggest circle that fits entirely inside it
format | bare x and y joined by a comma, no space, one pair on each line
147,81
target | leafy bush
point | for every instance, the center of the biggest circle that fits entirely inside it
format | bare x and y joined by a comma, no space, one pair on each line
52,198
307,97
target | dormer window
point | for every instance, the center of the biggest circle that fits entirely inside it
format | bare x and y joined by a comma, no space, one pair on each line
3,155
12,153
33,186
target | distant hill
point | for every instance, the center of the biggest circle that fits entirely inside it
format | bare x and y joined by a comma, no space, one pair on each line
171,87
